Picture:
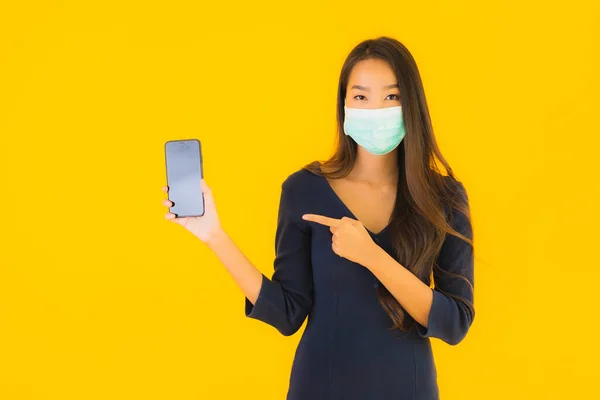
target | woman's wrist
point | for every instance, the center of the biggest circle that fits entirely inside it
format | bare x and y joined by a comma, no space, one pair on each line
216,238
375,258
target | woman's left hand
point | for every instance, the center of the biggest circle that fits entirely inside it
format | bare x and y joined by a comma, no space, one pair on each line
350,238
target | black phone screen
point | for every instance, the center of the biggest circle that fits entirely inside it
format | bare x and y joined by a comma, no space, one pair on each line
184,172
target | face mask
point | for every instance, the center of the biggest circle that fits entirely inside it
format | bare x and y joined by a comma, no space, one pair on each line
378,130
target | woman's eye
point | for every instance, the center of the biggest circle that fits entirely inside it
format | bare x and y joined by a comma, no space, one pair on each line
397,98
358,95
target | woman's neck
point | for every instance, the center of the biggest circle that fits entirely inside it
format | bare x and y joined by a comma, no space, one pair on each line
375,170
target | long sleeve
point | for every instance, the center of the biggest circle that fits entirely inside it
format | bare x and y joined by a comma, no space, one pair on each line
450,317
285,300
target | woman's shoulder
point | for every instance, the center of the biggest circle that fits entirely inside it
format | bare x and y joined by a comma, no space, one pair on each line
456,187
302,179
301,189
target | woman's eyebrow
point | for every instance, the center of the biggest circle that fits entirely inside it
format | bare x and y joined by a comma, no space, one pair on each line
366,89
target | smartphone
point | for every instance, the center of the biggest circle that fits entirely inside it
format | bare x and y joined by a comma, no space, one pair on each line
183,160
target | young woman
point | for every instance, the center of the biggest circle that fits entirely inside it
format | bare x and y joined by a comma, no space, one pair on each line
374,245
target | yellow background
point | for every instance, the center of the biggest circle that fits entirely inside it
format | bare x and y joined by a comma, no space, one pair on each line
101,298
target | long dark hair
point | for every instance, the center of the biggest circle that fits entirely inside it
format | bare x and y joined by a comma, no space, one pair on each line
419,221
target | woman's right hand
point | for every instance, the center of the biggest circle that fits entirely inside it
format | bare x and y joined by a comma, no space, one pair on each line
205,227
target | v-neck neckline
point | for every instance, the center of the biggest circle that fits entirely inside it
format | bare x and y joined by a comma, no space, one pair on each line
349,211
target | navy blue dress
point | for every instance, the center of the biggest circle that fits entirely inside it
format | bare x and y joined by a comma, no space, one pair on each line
347,350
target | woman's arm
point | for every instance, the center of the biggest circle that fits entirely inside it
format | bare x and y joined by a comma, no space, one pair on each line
283,301
208,229
438,312
244,273
415,296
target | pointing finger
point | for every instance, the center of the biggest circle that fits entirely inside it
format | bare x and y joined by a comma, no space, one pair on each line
351,221
321,219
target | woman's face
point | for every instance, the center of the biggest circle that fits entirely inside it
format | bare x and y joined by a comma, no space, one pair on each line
372,84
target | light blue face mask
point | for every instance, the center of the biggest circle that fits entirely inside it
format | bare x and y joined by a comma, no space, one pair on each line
378,130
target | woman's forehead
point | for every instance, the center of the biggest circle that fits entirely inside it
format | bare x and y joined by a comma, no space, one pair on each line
372,74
